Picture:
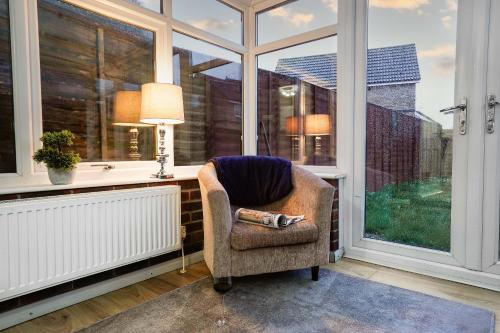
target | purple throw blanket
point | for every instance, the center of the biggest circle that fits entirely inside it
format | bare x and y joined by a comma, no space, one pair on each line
254,180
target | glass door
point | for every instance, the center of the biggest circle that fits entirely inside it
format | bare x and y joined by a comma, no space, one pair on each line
491,229
417,145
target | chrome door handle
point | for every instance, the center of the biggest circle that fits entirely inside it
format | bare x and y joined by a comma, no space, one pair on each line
462,116
490,113
452,109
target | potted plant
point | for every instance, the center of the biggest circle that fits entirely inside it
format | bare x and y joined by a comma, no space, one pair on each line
56,155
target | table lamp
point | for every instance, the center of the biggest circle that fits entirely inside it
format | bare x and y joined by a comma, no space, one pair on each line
317,125
126,112
162,105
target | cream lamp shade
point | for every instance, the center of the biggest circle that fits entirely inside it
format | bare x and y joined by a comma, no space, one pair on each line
162,104
317,124
292,125
127,109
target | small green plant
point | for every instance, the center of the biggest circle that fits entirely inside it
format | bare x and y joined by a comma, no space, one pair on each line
55,152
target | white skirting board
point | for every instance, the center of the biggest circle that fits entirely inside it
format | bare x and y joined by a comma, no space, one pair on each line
31,311
336,255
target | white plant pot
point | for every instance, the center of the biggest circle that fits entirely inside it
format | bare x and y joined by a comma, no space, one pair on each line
61,176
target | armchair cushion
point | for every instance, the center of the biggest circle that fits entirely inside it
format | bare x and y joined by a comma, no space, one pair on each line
246,236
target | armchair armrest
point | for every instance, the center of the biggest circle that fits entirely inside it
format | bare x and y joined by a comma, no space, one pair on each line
217,222
312,197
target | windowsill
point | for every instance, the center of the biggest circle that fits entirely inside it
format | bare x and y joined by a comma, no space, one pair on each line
83,184
141,176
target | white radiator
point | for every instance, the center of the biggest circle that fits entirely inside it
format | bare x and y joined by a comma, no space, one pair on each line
51,240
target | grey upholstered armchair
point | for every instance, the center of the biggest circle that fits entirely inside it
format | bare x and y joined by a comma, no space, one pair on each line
238,249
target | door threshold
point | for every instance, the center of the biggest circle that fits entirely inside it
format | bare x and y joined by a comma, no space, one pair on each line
419,266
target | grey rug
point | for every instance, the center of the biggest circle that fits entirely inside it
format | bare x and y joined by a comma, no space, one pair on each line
292,302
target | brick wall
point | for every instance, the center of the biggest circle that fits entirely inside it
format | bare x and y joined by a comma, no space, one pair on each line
394,97
191,217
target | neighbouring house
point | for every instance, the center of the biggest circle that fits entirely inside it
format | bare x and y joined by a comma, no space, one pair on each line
392,74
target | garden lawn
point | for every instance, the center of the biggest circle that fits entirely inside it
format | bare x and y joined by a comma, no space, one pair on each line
414,213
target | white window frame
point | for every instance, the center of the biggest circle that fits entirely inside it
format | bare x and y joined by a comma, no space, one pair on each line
27,82
279,44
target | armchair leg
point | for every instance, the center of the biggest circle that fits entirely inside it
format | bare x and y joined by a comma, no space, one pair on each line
315,273
223,284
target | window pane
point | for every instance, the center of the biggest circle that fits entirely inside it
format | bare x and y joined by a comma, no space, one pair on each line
411,76
154,5
7,139
212,16
210,78
293,18
297,102
83,66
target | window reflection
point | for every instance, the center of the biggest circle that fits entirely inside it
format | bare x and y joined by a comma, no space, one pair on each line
210,78
7,137
83,67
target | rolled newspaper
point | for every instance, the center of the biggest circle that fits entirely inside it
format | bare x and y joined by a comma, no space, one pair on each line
266,219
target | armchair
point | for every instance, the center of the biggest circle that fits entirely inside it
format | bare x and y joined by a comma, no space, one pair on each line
239,249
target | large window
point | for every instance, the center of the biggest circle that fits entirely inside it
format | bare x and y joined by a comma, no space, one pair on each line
410,77
86,59
212,16
295,17
210,78
7,139
296,93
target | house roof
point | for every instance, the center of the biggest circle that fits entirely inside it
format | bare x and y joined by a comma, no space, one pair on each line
386,65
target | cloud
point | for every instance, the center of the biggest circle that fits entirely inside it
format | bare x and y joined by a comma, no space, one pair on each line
441,51
301,19
294,18
445,66
210,23
399,4
279,12
443,58
452,5
333,5
447,20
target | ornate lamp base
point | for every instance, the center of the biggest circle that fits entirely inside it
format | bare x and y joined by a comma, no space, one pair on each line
134,144
164,176
162,157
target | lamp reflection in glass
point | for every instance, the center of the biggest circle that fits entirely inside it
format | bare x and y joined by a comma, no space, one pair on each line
162,105
126,112
292,130
289,91
317,125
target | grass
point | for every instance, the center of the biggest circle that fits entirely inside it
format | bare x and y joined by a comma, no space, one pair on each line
414,213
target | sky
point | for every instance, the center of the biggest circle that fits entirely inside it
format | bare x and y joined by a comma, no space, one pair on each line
430,24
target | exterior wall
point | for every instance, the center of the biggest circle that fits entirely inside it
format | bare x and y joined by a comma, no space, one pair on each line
191,218
393,97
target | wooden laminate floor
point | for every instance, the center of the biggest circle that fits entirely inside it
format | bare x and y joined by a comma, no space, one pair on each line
88,312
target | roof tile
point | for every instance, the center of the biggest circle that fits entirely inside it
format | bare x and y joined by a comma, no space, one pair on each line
394,64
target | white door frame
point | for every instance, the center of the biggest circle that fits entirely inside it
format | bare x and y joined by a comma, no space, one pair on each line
491,260
465,256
